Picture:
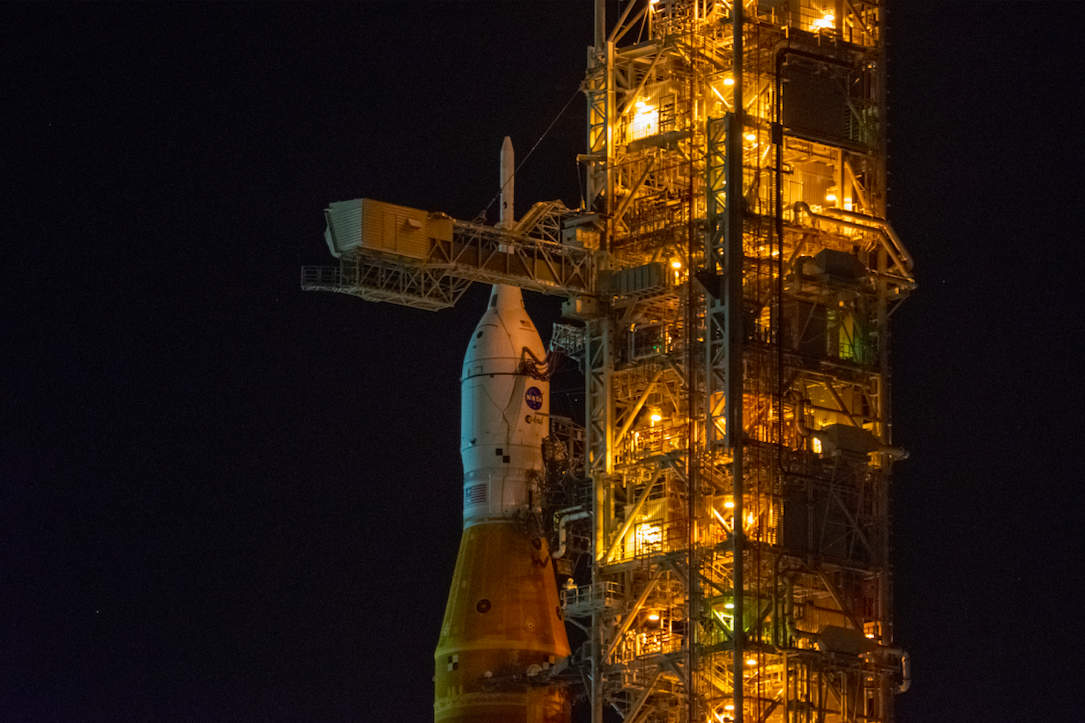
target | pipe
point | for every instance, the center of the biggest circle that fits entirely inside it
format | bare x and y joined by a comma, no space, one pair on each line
776,602
906,672
905,666
880,223
800,414
571,514
889,238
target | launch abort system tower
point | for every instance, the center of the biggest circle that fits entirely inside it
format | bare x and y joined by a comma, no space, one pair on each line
729,286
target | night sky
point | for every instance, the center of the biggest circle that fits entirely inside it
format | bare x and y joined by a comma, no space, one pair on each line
225,499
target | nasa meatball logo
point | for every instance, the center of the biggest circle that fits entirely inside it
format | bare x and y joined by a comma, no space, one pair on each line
534,398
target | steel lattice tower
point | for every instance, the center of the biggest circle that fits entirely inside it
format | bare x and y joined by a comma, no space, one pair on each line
741,412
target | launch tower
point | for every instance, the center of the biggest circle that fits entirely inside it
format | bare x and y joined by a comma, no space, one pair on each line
729,286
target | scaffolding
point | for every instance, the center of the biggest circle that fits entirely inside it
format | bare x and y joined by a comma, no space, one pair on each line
739,434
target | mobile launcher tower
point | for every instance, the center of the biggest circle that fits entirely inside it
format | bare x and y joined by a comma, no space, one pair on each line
723,515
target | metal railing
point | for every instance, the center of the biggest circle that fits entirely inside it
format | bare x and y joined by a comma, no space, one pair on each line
589,599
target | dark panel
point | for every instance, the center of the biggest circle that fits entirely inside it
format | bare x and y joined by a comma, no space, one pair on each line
815,103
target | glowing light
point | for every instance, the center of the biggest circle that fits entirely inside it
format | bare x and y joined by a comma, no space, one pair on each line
645,121
825,22
656,417
751,136
729,606
751,661
653,616
728,707
816,444
676,264
649,536
729,504
830,197
728,81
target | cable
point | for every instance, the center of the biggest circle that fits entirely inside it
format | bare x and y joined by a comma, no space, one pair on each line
516,170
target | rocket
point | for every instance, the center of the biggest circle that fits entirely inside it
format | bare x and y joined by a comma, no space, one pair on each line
503,627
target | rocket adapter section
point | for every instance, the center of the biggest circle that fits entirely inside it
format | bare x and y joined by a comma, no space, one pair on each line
503,626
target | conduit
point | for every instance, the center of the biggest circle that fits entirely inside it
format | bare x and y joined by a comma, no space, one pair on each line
890,241
571,514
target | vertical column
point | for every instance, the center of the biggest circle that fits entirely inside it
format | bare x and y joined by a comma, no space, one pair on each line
715,307
599,413
735,335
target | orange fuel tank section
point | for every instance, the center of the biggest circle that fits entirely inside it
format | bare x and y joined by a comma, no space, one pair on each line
502,632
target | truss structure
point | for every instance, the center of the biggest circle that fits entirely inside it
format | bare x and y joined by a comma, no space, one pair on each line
737,426
426,261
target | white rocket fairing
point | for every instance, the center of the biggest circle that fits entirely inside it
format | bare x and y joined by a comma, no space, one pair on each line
503,627
505,412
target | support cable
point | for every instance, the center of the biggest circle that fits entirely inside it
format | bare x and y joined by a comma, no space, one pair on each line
520,165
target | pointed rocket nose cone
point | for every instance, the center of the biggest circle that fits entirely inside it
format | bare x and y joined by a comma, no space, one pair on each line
507,216
508,161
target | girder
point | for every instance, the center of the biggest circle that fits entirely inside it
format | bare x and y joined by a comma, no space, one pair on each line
436,276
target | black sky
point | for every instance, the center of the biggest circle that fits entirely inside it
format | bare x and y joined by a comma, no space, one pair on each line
224,499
